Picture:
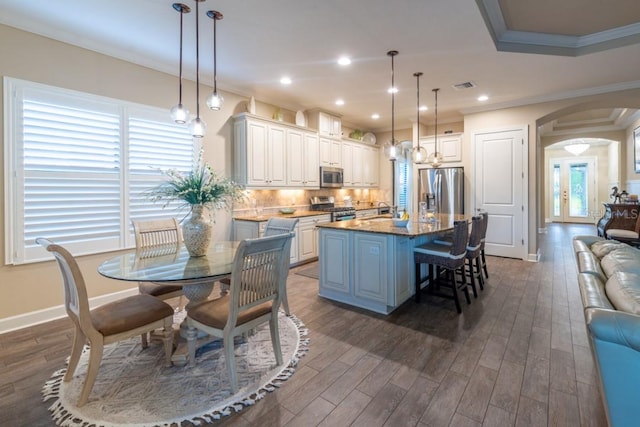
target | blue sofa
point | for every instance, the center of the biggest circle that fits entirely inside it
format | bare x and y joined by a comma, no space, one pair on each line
609,280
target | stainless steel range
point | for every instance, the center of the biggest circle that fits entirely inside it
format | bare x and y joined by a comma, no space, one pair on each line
327,204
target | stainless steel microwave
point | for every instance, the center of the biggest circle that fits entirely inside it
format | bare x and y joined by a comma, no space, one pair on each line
331,177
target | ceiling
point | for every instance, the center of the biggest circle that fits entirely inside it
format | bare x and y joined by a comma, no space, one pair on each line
487,42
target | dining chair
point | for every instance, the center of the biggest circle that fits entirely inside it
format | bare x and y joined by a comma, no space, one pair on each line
108,323
154,238
274,226
444,258
257,286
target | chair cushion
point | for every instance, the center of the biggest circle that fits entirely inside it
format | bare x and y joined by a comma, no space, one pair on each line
215,313
156,290
433,248
603,247
622,233
129,313
623,290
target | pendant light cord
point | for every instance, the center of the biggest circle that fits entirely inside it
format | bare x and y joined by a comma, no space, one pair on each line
180,83
197,62
418,74
435,136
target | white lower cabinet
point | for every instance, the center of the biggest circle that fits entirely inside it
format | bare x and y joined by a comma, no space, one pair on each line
308,236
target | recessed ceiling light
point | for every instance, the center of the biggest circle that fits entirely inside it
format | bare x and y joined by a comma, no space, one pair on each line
340,102
344,60
483,98
424,108
392,90
285,80
375,116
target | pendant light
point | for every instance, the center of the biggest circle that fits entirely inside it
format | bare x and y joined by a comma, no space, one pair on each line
390,148
418,154
179,113
215,100
435,158
197,125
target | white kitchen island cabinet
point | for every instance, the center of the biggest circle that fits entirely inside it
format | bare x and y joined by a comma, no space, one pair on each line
369,264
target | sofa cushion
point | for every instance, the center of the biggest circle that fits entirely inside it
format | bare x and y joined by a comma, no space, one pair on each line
603,247
592,292
588,263
583,243
623,290
625,259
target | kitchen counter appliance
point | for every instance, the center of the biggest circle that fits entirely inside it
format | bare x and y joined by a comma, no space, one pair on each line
327,204
331,177
442,189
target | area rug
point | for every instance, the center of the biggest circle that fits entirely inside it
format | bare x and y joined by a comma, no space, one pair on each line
311,272
134,389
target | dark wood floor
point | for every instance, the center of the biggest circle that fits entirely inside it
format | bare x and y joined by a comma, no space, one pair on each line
518,355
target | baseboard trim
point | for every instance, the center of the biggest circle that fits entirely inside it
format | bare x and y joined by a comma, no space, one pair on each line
534,257
25,320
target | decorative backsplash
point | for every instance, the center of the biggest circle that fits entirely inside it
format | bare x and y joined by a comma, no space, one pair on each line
276,199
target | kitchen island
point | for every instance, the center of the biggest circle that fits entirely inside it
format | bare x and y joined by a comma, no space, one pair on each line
369,264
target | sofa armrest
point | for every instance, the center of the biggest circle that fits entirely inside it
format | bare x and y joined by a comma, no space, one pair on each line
615,327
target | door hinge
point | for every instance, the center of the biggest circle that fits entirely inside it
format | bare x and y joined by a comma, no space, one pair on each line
522,208
522,242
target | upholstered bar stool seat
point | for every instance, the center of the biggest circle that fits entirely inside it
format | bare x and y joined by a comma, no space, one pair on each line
446,259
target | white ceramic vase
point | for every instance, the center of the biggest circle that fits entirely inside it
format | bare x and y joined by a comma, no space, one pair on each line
196,231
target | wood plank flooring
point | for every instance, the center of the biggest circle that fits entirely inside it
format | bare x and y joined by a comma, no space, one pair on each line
517,356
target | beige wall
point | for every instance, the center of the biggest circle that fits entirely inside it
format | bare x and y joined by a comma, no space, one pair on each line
30,57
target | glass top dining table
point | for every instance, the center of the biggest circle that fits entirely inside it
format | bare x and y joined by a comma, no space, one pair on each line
171,264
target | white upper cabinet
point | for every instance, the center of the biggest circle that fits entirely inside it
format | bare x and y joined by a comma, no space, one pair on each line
328,125
302,159
450,145
330,152
270,154
360,163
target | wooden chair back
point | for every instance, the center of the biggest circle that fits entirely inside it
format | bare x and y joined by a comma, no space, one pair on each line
258,274
280,226
157,233
76,301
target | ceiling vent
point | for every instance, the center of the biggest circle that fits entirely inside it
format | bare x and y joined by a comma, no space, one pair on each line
465,85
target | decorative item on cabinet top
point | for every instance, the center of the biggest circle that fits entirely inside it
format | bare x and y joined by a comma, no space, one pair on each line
300,118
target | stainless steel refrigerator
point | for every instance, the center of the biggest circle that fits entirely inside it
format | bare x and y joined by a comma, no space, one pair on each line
442,189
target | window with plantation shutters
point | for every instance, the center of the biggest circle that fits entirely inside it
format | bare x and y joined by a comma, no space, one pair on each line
79,168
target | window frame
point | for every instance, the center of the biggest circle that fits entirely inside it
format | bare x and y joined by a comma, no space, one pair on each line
18,250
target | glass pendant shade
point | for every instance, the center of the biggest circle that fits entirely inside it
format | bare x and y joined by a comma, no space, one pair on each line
390,150
179,114
215,101
197,127
418,155
435,159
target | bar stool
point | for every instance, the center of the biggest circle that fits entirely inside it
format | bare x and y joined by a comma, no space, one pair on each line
447,259
473,254
483,261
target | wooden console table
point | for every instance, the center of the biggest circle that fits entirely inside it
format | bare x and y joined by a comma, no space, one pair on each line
621,216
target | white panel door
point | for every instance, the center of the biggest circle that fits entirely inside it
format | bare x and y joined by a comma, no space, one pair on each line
500,189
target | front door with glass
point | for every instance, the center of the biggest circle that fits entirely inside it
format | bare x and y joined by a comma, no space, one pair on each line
573,189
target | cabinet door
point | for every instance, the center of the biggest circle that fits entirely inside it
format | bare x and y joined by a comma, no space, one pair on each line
246,229
347,163
257,141
329,125
359,161
277,157
307,247
335,251
370,267
311,160
295,158
336,154
449,145
325,152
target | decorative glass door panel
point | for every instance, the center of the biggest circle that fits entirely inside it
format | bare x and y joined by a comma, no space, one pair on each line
573,184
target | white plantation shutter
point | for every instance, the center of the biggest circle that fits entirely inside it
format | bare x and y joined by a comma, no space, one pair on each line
155,146
78,166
